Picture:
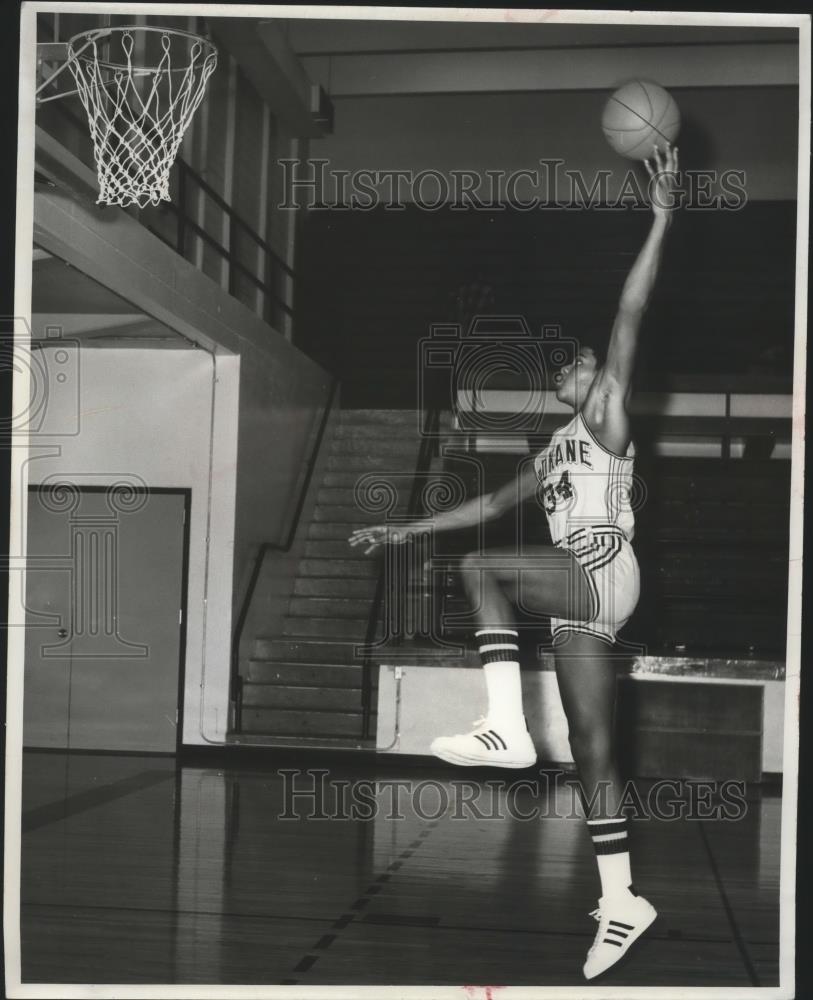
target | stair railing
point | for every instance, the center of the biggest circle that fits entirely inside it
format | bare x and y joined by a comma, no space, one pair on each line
427,451
236,680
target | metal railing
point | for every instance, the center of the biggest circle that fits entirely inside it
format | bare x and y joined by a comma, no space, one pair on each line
427,451
187,177
235,681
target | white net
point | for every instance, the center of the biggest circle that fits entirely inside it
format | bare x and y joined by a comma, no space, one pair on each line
138,114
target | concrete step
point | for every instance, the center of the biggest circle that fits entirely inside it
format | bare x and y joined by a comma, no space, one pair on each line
403,418
314,586
329,607
275,696
345,496
354,517
356,447
358,431
305,650
363,568
325,527
337,496
333,675
345,479
319,548
366,745
379,462
356,440
409,417
328,628
295,722
348,480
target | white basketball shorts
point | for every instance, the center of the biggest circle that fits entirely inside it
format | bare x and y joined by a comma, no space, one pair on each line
611,568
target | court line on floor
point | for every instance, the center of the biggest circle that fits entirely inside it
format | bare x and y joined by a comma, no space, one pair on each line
173,912
389,919
739,941
358,905
52,812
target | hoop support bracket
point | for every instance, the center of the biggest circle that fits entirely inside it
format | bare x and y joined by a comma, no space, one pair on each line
54,52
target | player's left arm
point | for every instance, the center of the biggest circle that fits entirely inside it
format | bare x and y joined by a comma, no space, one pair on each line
605,408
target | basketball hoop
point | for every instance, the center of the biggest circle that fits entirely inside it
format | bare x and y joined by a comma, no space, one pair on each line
138,114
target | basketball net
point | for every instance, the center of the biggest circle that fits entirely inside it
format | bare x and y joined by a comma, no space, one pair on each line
138,115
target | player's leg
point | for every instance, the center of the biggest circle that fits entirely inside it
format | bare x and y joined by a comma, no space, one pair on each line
587,685
543,580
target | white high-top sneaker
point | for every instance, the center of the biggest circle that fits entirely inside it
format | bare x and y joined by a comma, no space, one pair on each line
490,743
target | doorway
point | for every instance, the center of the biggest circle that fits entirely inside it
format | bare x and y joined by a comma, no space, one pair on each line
106,592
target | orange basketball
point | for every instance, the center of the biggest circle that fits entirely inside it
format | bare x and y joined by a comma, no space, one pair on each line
638,116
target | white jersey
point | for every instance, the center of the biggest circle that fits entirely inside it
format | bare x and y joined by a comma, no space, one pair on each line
583,484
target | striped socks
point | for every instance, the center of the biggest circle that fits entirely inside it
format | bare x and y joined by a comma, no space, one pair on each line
499,655
611,844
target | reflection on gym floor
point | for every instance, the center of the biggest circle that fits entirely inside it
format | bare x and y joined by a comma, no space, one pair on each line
138,870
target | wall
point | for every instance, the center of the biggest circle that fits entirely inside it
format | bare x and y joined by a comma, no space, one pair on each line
148,413
282,395
371,285
275,582
734,128
437,700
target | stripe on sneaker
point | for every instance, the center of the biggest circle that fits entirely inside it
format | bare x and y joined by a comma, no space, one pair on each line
491,739
618,923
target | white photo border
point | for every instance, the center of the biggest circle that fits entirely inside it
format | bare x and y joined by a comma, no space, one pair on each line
15,633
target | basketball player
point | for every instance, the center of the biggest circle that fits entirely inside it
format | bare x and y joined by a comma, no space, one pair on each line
587,582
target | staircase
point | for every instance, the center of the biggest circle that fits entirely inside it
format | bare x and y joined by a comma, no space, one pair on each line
306,684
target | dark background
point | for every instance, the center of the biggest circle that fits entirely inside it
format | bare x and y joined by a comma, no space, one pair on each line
370,284
712,537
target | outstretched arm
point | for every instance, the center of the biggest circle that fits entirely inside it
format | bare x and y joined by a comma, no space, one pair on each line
605,407
641,279
467,515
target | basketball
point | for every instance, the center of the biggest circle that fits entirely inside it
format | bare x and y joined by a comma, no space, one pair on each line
639,115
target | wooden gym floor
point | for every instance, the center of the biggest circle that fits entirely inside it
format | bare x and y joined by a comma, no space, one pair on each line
135,870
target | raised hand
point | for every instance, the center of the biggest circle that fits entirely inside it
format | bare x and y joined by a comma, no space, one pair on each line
663,171
375,535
